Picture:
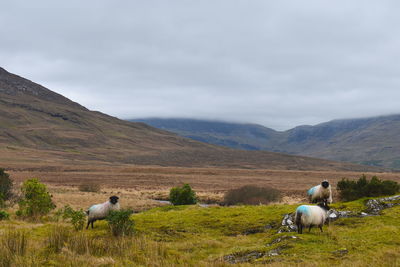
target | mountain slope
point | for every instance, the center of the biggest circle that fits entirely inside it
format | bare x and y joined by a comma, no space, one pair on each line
36,123
371,141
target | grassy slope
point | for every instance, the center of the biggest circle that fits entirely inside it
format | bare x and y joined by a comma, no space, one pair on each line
196,236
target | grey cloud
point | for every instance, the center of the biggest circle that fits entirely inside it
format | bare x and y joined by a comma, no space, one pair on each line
277,63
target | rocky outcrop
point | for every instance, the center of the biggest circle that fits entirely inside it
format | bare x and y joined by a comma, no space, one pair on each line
373,207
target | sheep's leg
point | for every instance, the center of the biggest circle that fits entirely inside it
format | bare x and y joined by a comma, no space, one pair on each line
320,227
92,224
300,228
309,228
88,223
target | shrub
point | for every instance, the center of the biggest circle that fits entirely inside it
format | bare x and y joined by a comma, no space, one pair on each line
76,217
120,222
182,195
4,215
252,195
89,187
352,190
36,200
5,185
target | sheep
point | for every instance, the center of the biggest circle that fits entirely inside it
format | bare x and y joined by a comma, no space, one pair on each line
322,192
309,216
100,211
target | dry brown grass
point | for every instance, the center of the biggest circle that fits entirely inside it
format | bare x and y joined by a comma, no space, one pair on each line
139,186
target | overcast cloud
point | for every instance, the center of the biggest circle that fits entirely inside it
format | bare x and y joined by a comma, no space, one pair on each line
277,63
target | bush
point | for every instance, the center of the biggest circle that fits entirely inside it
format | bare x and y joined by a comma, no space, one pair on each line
251,195
76,217
36,200
352,190
4,215
89,187
5,186
182,195
120,222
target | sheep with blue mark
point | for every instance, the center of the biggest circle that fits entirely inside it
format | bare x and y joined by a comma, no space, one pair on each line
100,211
309,216
320,193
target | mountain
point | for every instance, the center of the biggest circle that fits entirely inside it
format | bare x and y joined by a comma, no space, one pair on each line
39,125
233,135
369,141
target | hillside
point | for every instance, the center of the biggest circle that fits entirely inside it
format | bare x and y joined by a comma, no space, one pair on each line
37,124
370,141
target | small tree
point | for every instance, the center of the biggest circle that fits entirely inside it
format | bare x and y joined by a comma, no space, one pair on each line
5,186
120,222
36,200
182,195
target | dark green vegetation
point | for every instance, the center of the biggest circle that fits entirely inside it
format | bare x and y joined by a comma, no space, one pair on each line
36,200
370,141
5,187
183,195
77,218
212,236
251,195
120,222
36,121
351,190
4,215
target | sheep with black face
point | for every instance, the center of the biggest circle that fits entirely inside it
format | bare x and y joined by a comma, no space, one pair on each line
100,211
309,216
320,193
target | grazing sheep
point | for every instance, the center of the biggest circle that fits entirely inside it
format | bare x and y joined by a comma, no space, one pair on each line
100,211
322,192
309,216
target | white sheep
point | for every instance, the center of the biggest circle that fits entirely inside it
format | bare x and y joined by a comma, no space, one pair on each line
309,216
322,192
100,211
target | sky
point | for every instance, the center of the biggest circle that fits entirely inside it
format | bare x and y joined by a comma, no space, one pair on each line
276,63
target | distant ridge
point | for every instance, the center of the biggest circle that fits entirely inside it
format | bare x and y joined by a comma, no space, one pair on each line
37,124
371,141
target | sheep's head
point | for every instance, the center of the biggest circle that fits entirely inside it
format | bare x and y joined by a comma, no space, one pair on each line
324,205
114,200
325,184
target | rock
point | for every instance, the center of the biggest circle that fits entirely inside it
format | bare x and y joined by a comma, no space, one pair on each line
280,239
248,257
374,206
274,252
340,252
287,224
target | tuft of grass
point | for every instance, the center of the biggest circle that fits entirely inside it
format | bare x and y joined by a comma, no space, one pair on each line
57,238
13,242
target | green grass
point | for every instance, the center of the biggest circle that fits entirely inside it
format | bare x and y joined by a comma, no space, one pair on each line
197,236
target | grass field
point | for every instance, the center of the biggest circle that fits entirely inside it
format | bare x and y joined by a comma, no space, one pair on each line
193,235
207,236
